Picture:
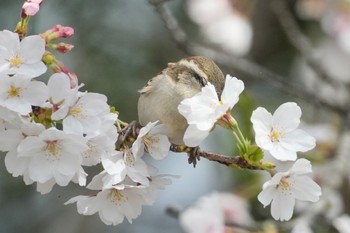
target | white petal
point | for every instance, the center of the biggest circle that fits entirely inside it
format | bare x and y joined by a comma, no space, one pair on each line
9,40
301,166
58,85
286,117
36,93
40,169
62,179
85,205
15,165
144,130
110,215
71,125
233,88
266,195
94,103
114,167
160,149
298,140
32,48
262,121
193,136
46,187
282,206
306,189
32,70
281,153
9,139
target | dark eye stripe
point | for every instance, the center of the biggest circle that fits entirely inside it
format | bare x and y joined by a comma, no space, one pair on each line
201,80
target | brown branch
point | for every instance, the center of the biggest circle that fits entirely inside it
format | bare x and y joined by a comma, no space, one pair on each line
130,133
248,67
300,41
237,161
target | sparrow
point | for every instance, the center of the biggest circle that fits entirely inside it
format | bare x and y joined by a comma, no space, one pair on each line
160,98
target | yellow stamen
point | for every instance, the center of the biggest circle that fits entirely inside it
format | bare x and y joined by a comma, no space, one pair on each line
15,61
52,148
117,196
150,141
275,136
75,111
13,91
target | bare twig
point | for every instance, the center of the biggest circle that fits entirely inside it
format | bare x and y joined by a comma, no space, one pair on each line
236,63
131,131
228,160
300,41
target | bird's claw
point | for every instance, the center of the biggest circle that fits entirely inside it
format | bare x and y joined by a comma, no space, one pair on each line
129,133
192,152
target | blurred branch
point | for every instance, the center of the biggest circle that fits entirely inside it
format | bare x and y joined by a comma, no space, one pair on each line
236,63
299,40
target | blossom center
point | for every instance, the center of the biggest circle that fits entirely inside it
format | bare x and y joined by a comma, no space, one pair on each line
53,148
117,197
149,141
15,61
76,111
14,91
275,136
285,185
90,151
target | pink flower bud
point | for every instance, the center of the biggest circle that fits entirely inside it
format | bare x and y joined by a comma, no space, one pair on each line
66,32
29,9
62,31
63,47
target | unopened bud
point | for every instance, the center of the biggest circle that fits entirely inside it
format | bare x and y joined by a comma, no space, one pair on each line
62,47
56,32
29,9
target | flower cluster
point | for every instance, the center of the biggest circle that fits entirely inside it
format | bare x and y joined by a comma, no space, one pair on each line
50,132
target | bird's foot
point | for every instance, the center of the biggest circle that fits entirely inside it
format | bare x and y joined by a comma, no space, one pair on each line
129,132
192,152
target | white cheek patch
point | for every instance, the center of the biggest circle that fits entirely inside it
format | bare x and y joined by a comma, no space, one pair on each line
193,66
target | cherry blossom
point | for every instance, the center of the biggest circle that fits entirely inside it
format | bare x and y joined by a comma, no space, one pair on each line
203,110
21,57
152,139
278,133
125,163
112,205
18,93
285,187
53,154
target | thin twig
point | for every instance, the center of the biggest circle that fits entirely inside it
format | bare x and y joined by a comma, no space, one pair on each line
228,160
130,133
254,70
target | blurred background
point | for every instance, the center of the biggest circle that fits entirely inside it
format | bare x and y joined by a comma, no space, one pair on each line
120,44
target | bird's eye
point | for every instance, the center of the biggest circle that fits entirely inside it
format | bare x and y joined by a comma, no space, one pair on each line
202,81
